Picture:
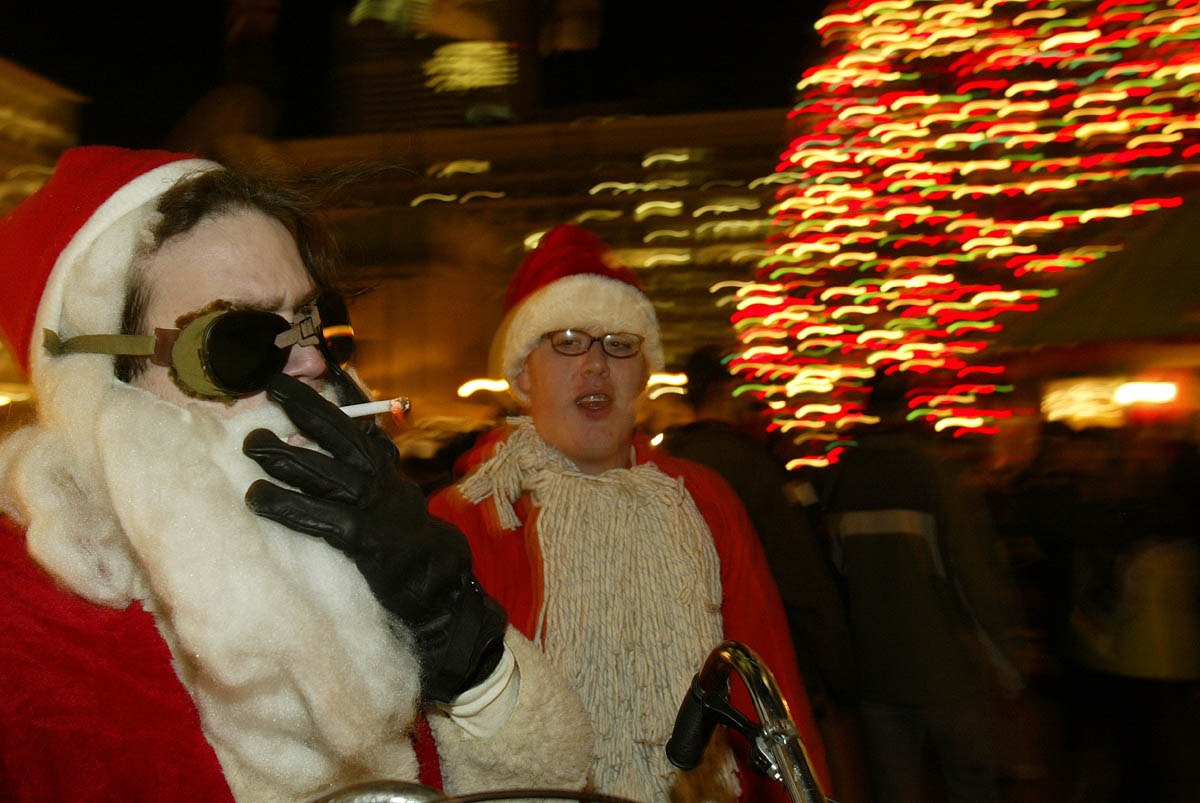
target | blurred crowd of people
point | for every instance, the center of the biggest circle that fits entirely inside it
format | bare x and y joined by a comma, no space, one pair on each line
1101,532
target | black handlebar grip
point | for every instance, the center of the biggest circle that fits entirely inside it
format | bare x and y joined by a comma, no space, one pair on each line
693,728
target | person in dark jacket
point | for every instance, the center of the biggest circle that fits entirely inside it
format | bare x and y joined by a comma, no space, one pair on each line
929,606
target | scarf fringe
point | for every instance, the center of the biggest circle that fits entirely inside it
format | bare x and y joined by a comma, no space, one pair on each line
632,601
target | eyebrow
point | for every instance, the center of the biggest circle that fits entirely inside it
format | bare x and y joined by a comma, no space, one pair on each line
308,299
276,302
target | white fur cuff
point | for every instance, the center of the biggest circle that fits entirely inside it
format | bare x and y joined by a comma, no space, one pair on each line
483,710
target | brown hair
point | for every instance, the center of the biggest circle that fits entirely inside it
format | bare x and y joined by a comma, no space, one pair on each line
216,193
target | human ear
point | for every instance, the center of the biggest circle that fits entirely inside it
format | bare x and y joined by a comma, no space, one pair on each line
522,381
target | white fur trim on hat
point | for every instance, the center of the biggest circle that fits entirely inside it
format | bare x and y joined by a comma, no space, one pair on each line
582,301
85,292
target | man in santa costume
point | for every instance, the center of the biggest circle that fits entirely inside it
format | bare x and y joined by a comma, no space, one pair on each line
624,565
170,634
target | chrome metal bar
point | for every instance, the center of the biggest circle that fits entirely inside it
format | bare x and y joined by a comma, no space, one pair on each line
780,739
402,792
384,792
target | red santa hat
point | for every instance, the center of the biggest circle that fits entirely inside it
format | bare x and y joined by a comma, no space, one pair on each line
571,280
66,251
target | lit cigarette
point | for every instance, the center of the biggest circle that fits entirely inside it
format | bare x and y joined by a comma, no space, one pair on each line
400,404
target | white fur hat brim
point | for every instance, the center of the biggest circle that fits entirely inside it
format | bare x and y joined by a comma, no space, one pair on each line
581,301
85,292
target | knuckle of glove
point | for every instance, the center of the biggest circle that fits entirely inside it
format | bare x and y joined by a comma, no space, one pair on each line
264,447
412,607
265,498
460,650
341,528
440,582
259,440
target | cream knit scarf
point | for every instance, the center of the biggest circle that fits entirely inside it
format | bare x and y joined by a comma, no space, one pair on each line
632,601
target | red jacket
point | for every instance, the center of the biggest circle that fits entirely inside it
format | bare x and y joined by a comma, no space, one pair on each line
90,706
508,565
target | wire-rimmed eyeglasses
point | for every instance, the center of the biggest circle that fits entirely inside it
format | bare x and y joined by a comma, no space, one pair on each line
576,342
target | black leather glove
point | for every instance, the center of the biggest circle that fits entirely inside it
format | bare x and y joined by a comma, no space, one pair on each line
418,566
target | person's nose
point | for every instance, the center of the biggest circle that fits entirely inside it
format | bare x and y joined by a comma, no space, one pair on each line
305,363
595,361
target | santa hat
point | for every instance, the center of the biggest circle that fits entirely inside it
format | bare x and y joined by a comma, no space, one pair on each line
572,280
66,251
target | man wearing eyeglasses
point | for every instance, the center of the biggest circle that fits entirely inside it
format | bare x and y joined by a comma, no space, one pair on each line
626,566
216,584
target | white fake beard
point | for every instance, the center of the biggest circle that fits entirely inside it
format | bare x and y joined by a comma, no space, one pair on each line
300,682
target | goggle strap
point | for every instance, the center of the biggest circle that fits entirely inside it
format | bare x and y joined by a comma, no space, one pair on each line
164,344
125,345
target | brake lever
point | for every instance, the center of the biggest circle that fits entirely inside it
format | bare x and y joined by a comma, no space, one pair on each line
700,712
776,740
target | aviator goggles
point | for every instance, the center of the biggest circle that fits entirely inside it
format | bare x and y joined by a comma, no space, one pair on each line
225,351
576,342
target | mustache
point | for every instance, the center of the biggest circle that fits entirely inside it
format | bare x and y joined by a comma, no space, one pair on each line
271,416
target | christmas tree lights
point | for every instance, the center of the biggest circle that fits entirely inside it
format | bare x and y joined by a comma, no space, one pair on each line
950,161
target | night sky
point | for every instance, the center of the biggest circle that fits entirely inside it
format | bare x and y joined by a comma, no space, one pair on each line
144,63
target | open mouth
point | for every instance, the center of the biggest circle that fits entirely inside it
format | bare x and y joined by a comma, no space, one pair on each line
594,401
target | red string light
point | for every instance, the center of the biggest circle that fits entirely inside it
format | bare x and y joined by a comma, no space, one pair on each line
948,161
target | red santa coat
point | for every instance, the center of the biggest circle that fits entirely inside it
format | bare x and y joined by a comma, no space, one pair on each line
508,565
90,706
